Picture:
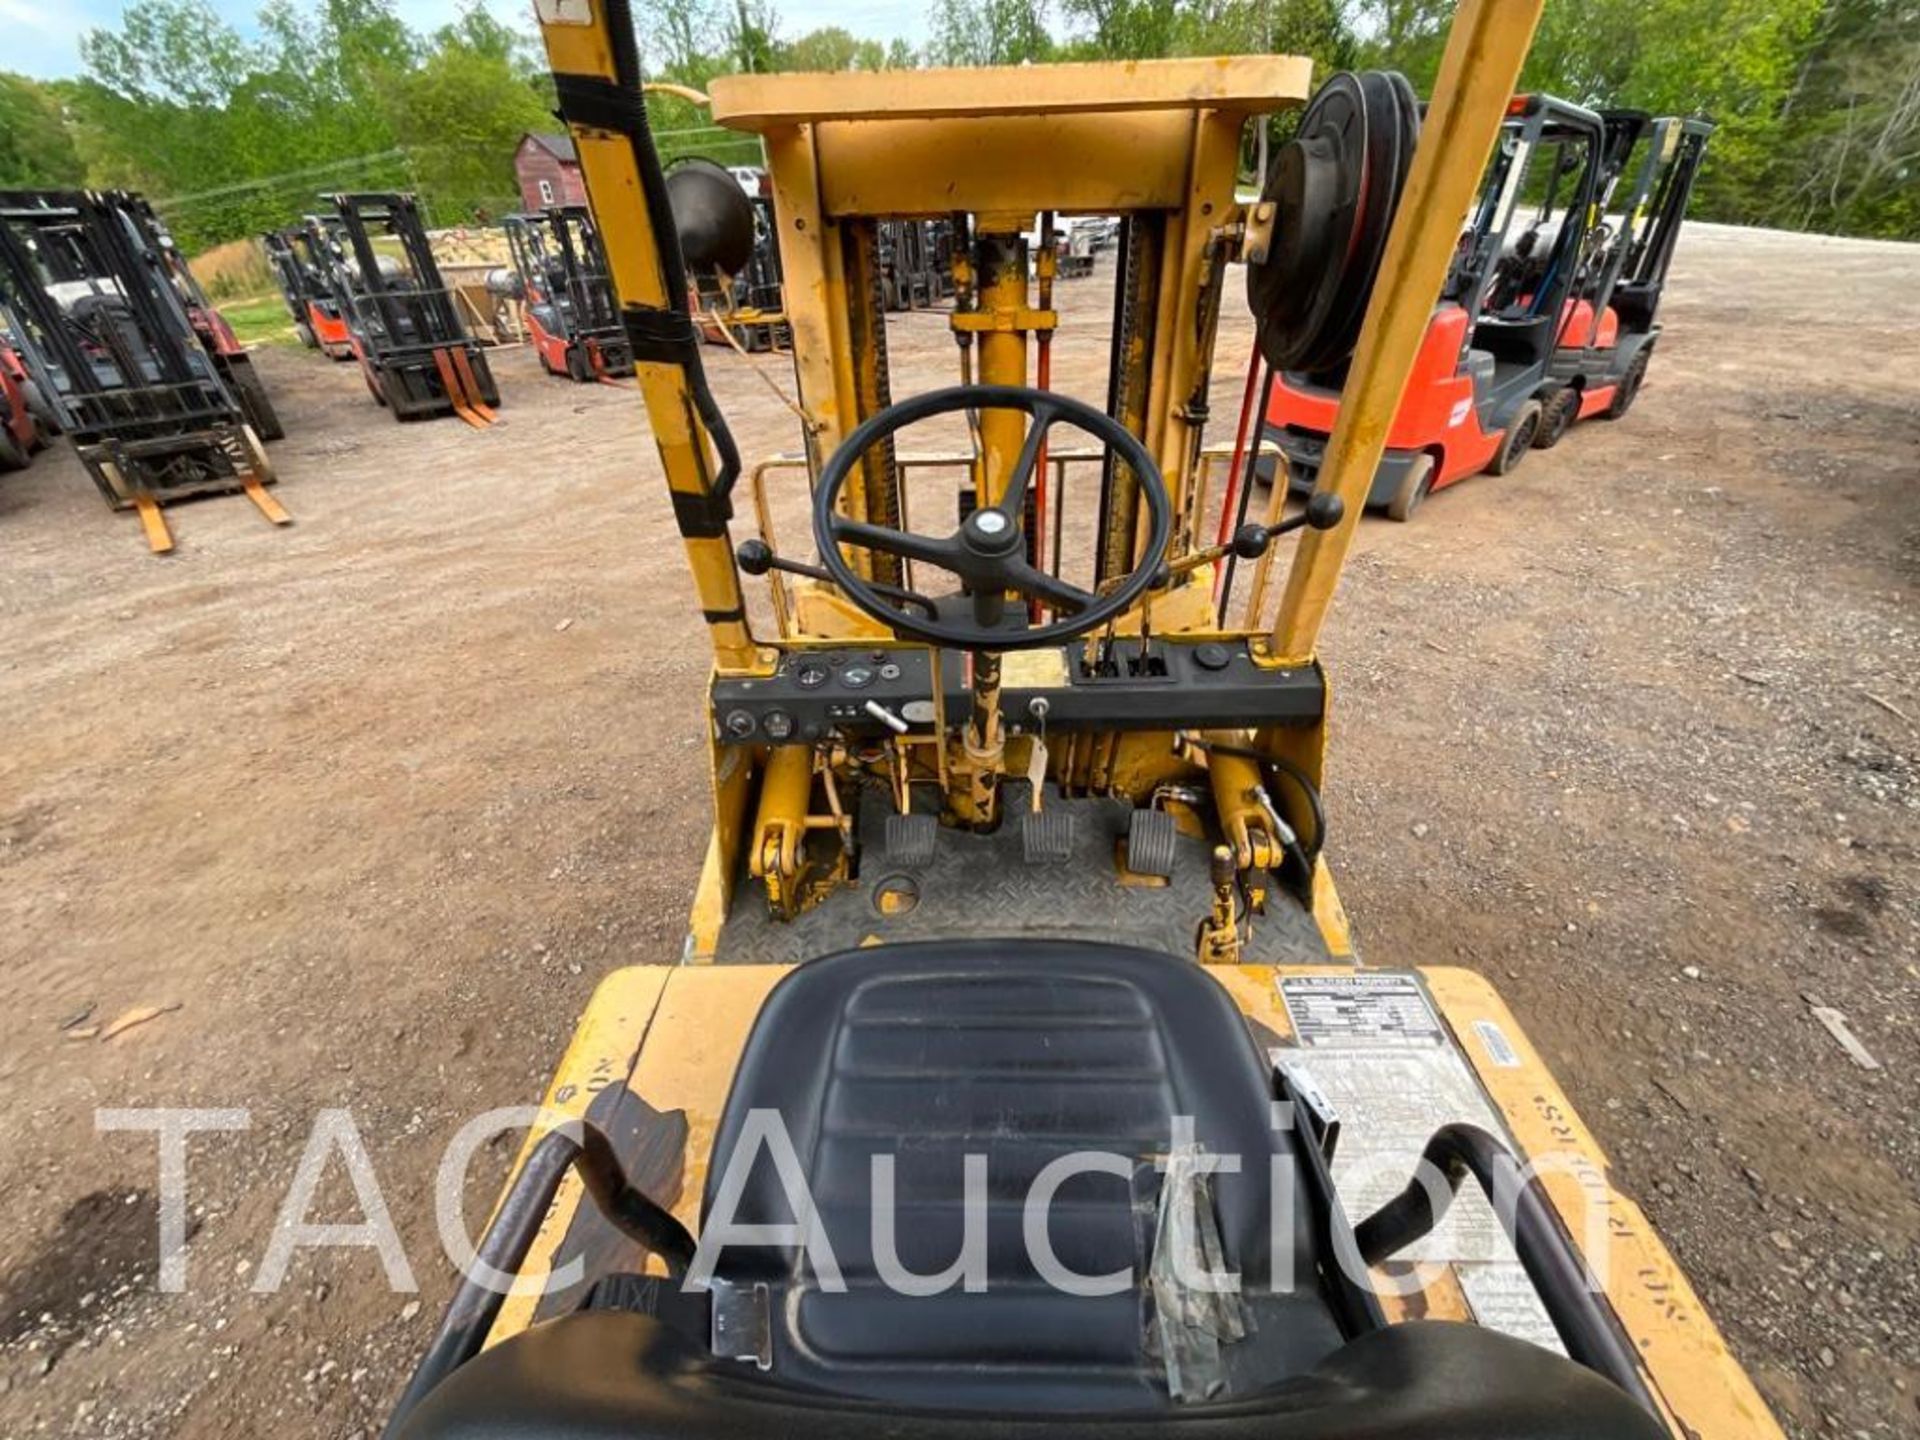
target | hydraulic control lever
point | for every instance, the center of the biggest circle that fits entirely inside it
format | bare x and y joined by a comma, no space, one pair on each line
1323,511
756,557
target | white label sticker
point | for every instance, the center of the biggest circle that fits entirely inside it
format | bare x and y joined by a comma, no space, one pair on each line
1376,1053
1503,1298
1359,1010
1499,1049
563,12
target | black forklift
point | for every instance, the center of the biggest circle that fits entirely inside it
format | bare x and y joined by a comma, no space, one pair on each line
102,331
566,297
402,323
298,257
1609,329
216,336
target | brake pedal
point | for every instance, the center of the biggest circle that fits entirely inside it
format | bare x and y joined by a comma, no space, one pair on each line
1046,837
910,840
1151,836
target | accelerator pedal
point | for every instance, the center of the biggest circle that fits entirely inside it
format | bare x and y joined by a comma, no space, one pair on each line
1151,837
1046,837
910,840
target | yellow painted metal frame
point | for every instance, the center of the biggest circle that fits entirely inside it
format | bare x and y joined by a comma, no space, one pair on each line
674,1036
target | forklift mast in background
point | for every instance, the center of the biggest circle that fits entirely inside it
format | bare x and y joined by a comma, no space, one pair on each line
223,347
298,255
413,350
109,341
566,294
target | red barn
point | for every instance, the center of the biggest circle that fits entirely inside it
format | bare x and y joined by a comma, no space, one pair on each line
548,171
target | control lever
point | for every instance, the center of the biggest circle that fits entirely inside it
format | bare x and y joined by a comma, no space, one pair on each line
886,717
756,557
1324,510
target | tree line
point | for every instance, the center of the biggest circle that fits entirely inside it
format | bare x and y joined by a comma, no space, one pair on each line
1818,101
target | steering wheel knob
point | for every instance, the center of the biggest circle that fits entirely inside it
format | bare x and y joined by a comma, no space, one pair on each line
991,532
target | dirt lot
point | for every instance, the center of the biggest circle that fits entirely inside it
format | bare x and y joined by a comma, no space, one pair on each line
375,800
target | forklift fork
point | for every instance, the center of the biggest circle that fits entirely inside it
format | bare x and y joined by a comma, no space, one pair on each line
456,392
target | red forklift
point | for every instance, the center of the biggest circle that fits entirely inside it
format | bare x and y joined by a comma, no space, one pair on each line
1608,335
102,331
572,314
416,355
1479,391
20,433
298,257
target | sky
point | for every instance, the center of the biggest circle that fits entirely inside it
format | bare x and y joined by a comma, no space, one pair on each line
42,38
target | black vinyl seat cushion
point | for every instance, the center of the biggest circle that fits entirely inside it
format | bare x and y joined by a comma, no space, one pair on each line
1020,1052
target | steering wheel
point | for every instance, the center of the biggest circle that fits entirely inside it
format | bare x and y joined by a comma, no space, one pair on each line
988,552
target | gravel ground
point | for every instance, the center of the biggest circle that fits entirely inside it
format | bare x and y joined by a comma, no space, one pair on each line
375,800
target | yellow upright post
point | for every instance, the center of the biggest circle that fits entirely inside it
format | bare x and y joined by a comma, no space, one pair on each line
596,71
1485,49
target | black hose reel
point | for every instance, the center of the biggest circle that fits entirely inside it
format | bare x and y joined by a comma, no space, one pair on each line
713,217
1334,187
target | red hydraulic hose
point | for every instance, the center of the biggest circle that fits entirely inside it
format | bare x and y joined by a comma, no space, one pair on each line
1227,507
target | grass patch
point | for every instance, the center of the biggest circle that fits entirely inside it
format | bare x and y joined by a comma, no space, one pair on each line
261,320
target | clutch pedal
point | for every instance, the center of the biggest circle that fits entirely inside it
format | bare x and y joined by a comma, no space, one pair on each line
910,840
1151,836
1046,837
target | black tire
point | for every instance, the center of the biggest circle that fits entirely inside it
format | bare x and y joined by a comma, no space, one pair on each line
308,339
1415,486
13,455
1628,390
1556,418
578,369
255,403
374,387
1517,441
46,424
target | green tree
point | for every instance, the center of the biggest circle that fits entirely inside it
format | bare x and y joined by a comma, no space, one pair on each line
1123,29
36,147
460,112
832,48
989,32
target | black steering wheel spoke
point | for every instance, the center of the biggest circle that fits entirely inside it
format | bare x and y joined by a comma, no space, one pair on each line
903,543
988,553
1045,414
1062,596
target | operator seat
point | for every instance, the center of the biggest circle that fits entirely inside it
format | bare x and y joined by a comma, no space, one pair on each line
1022,1052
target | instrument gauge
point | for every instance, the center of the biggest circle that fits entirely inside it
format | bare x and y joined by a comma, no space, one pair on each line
857,677
811,674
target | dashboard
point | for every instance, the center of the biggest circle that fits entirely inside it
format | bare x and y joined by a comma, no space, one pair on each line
868,693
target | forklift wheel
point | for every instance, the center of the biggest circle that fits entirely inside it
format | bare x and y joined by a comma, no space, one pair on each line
374,387
255,404
578,367
308,339
1413,489
1628,389
1556,418
1518,440
13,455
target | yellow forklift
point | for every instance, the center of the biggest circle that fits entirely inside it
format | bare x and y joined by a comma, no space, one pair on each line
1022,1076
